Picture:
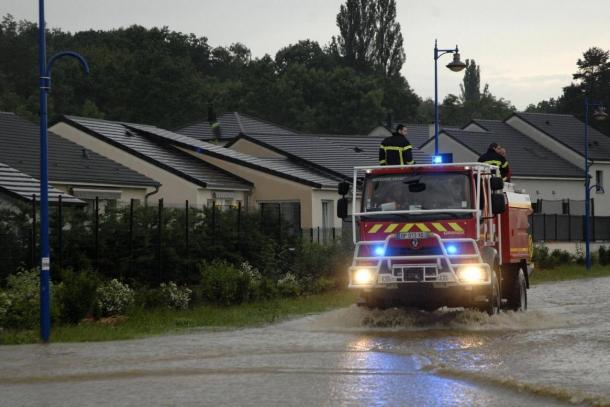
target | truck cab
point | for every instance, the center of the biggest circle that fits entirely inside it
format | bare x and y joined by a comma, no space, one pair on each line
428,236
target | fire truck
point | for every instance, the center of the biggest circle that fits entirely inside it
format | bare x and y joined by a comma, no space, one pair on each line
428,236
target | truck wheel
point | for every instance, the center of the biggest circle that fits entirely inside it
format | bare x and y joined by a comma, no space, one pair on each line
517,296
493,304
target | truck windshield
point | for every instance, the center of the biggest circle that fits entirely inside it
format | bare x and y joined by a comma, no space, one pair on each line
395,192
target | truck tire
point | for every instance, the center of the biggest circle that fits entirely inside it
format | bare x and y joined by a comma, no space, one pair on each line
493,304
517,293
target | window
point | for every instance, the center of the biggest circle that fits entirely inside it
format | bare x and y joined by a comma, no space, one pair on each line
599,182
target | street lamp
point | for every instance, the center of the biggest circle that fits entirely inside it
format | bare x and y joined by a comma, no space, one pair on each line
598,114
456,65
45,87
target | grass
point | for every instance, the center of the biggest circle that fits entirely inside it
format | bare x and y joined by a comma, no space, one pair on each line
568,272
144,323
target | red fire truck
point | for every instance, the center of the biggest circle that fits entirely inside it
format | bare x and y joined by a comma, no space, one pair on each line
428,236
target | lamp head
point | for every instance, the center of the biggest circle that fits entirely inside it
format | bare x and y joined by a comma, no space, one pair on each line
456,65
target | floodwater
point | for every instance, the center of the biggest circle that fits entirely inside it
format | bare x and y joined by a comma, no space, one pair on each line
557,353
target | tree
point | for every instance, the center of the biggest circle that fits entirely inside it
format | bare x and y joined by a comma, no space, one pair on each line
471,86
370,36
592,79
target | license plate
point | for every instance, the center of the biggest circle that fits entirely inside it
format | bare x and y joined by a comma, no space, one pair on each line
412,235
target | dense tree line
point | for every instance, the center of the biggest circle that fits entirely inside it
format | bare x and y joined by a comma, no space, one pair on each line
167,78
592,79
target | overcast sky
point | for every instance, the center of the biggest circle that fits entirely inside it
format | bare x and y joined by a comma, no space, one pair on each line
527,49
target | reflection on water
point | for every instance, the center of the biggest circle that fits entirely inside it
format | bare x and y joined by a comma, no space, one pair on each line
557,352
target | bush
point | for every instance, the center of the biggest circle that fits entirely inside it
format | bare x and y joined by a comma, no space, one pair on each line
175,297
5,305
76,295
603,256
114,298
544,260
288,286
222,283
23,291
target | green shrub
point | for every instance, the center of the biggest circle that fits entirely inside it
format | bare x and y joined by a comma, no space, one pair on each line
544,260
222,283
5,305
76,295
175,297
603,256
114,298
24,296
289,286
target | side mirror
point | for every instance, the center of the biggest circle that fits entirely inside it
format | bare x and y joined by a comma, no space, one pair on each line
342,208
496,184
343,188
498,203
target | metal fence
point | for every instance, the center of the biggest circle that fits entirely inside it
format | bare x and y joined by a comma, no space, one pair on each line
567,228
121,240
562,206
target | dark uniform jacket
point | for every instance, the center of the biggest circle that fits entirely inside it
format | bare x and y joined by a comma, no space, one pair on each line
395,150
491,157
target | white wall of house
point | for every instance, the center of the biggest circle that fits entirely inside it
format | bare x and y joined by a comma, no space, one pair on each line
174,190
551,189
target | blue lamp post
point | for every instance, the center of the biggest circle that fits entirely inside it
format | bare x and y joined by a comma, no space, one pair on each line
456,65
598,114
45,86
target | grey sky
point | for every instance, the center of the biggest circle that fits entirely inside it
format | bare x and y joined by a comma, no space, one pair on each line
527,49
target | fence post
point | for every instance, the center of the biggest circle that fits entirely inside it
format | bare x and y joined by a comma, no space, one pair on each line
318,234
131,204
59,231
96,233
311,234
592,218
556,238
279,223
544,227
238,219
569,227
186,235
33,235
334,234
159,237
213,218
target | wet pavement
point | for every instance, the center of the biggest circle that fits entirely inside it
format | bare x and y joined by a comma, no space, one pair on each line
557,353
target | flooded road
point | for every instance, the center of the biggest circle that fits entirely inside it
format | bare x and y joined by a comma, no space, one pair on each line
557,353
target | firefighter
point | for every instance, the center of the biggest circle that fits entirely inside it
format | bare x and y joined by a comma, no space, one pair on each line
495,155
396,149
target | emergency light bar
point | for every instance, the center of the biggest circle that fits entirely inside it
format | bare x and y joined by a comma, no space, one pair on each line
442,158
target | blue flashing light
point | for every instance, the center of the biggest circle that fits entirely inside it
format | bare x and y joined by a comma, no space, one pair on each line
442,158
379,251
451,249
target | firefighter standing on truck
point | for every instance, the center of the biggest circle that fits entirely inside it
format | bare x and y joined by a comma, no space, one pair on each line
495,155
396,149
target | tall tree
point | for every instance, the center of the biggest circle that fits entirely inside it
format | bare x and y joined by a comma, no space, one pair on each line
471,84
370,36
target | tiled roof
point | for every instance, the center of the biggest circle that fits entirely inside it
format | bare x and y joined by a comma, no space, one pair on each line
21,186
418,134
334,153
570,131
279,167
68,162
162,155
231,125
526,157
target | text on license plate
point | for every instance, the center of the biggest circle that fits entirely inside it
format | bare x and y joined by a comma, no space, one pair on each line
412,235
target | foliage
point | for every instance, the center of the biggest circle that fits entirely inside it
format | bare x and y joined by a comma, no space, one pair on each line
604,256
545,260
5,305
175,297
288,286
222,283
76,295
114,298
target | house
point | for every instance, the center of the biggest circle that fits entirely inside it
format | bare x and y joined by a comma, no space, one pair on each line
565,135
537,170
231,125
17,187
188,168
180,177
74,170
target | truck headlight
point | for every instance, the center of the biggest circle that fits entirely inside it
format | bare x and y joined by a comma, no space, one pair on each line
472,274
364,276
